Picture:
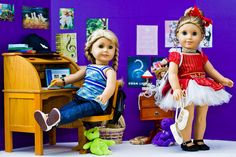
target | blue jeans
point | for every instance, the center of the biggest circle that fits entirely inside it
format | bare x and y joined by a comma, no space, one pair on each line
79,108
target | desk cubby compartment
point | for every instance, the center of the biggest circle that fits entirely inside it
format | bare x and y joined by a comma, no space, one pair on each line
24,77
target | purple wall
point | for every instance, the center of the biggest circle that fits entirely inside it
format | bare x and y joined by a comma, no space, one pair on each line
123,18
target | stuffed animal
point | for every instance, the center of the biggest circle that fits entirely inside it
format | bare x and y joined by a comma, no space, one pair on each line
97,145
165,137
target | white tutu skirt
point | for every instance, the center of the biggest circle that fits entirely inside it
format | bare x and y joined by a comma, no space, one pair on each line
198,95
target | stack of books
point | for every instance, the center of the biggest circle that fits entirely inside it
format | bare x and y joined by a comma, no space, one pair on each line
20,48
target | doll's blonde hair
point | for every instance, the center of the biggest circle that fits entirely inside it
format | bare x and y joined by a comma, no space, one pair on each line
186,19
100,33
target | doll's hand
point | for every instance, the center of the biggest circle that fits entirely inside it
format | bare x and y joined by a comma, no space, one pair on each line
177,94
56,82
102,98
227,82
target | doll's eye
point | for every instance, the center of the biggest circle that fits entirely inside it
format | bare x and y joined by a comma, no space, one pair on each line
194,33
110,47
184,33
100,46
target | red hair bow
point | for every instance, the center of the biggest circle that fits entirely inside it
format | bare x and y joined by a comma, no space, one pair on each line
196,12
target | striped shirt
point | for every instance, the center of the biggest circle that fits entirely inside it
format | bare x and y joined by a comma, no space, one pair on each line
94,83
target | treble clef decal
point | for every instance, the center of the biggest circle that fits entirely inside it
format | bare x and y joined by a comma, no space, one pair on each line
70,47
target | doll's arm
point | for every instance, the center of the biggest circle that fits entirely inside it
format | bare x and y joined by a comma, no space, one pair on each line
213,73
110,86
76,76
72,78
174,81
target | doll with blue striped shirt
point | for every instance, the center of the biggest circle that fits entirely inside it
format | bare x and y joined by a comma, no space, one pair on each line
98,87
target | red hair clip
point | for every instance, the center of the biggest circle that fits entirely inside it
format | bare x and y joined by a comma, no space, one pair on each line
196,12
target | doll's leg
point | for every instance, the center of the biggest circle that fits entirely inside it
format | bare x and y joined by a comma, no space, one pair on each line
200,121
83,109
188,145
200,127
47,121
186,132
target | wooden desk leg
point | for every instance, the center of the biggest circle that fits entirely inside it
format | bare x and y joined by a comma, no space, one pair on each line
38,133
52,136
81,138
8,132
38,142
8,140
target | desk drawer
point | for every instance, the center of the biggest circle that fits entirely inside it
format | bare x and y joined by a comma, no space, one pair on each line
154,113
147,102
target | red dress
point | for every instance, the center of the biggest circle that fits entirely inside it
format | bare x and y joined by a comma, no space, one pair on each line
192,67
200,90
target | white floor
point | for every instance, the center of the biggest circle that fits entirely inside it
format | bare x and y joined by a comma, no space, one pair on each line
218,149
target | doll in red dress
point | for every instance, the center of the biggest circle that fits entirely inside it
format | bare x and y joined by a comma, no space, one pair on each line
189,80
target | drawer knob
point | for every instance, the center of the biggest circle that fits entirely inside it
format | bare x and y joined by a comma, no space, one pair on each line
156,113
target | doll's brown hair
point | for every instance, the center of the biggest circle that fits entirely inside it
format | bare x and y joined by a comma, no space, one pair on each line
100,33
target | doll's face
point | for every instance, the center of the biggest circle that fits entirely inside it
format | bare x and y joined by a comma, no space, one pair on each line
189,36
103,51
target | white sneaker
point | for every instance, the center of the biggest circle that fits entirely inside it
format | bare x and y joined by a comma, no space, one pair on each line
176,133
54,117
41,119
182,119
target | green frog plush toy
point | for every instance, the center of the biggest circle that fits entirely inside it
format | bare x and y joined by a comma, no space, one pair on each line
97,145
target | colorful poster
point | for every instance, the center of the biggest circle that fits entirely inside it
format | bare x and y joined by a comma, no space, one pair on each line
66,44
35,18
66,18
6,12
170,38
136,68
94,24
147,42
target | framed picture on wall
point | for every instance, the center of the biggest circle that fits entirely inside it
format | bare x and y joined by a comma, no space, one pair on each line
147,40
93,24
136,68
35,17
6,12
66,44
66,18
170,38
207,40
